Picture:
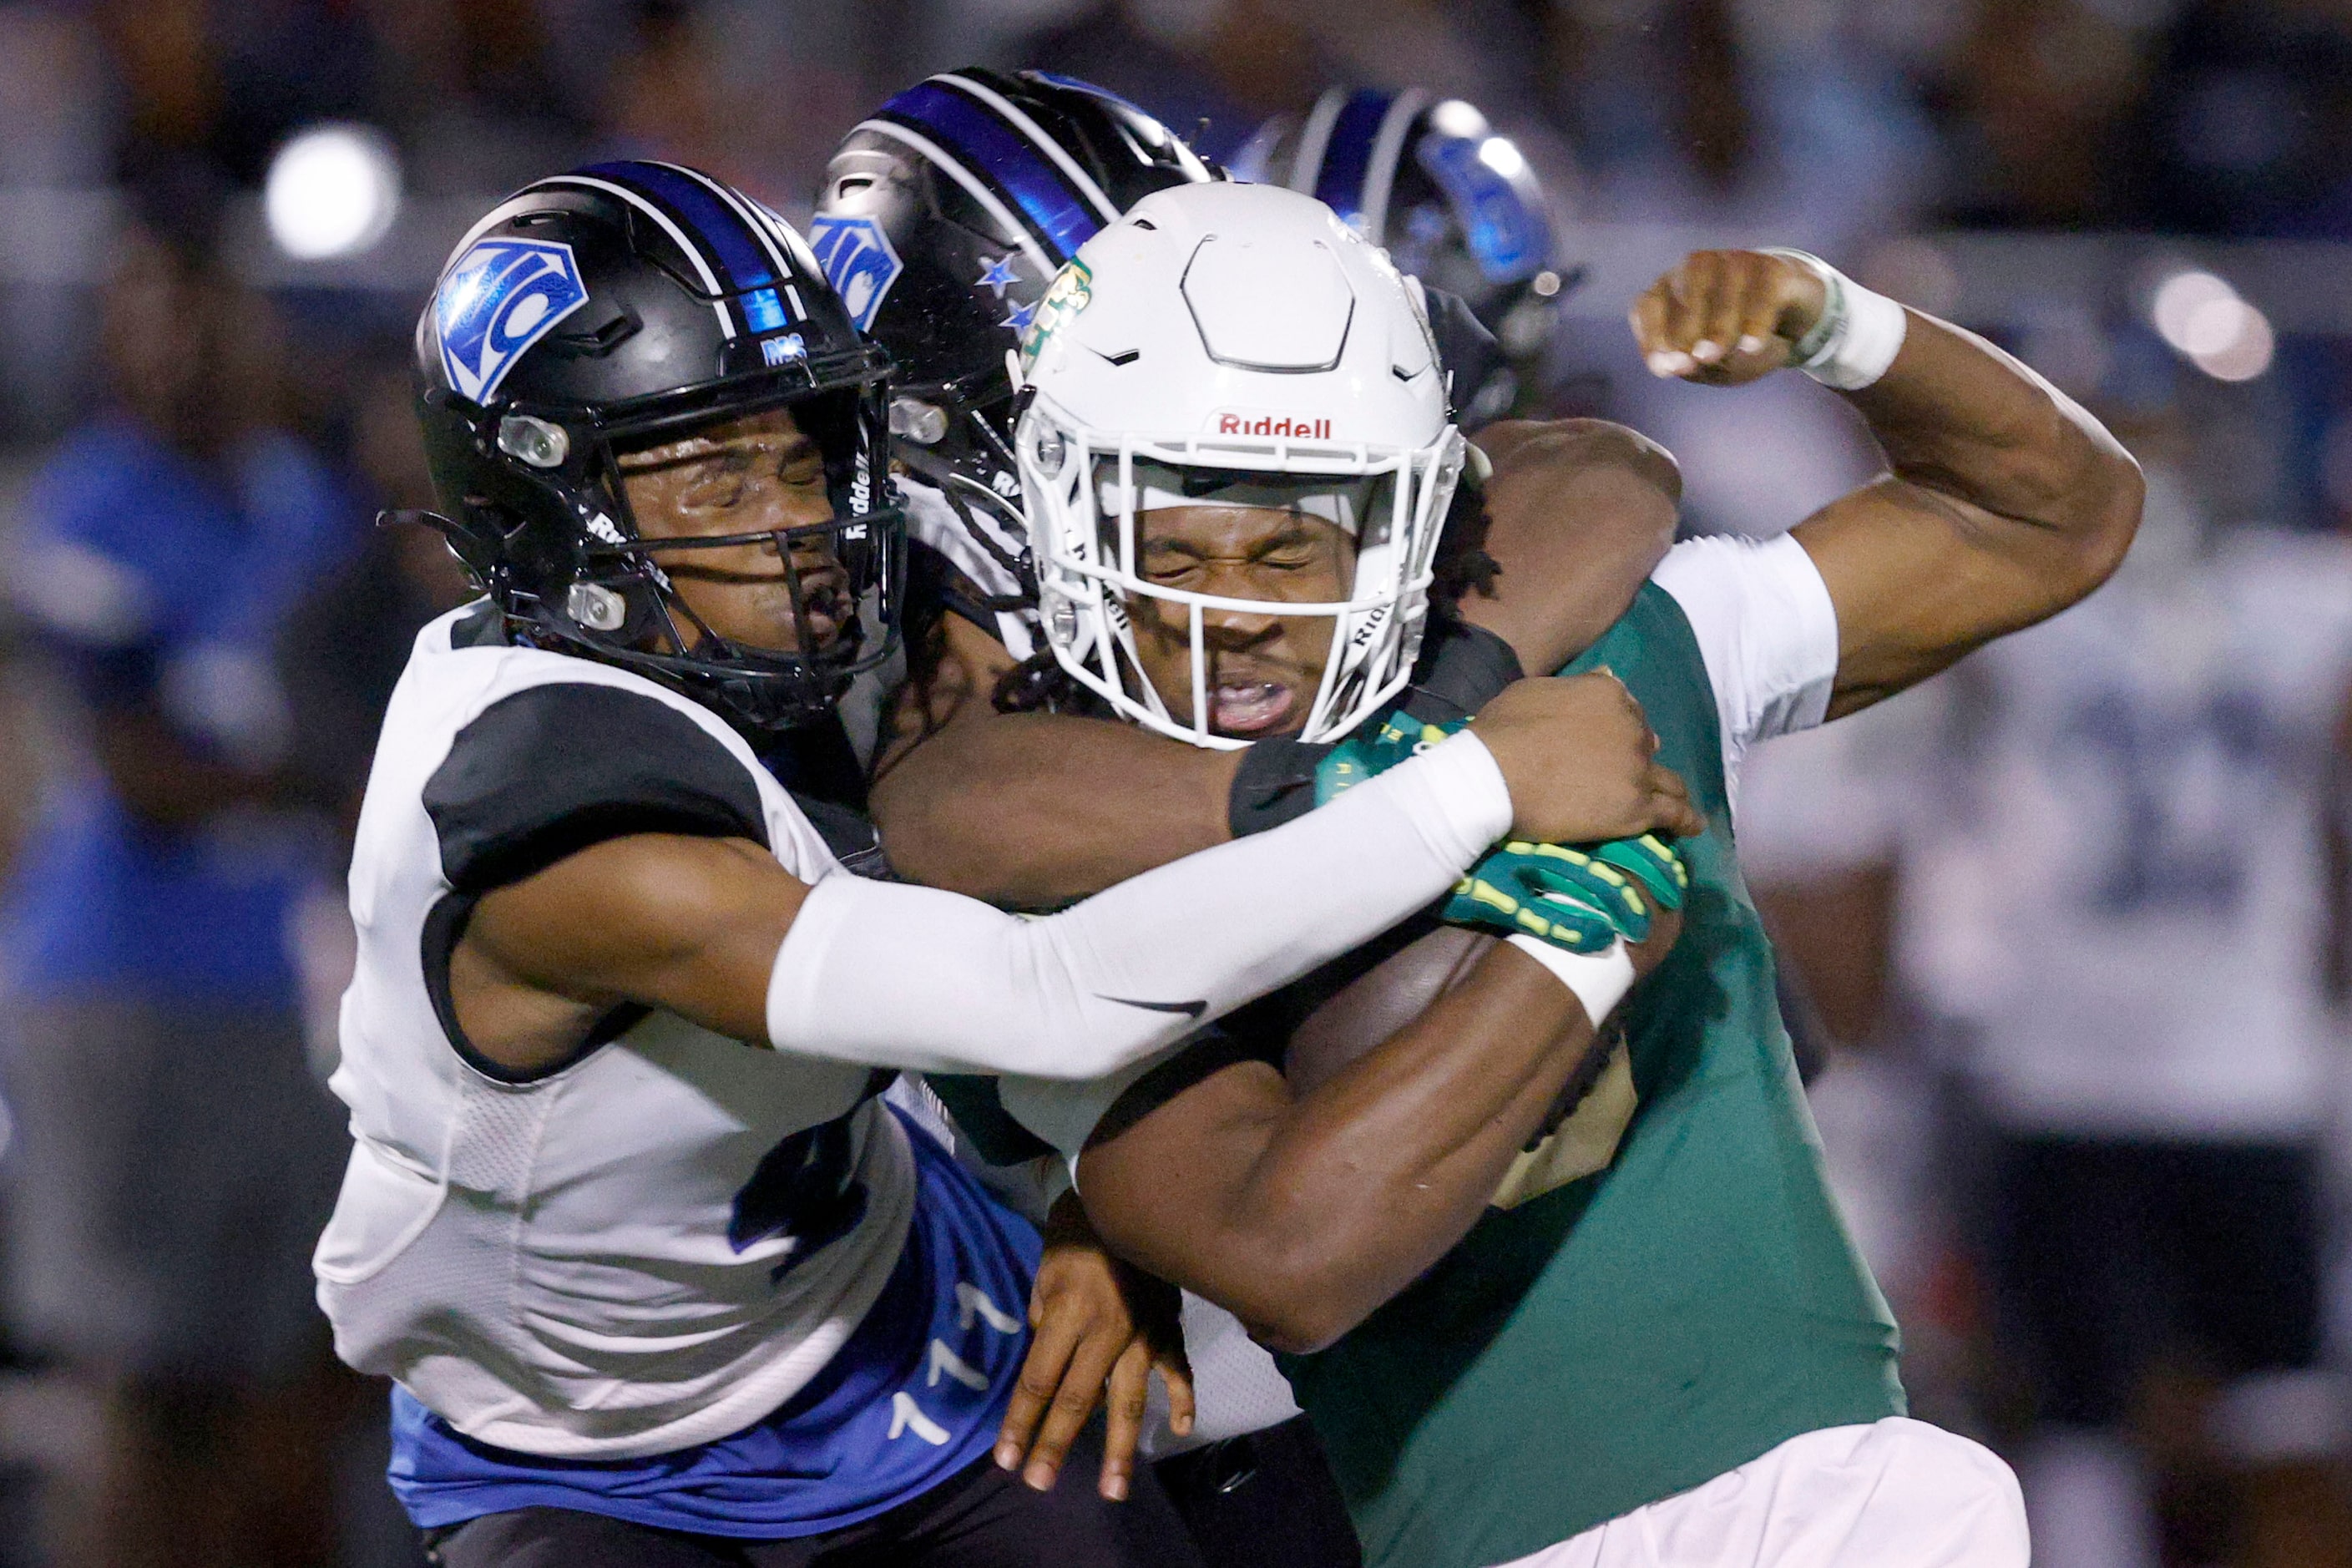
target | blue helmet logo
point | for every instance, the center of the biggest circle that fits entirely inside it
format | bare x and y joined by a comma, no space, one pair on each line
501,297
857,262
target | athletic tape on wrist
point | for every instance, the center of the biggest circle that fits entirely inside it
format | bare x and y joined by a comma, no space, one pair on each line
1599,980
1858,336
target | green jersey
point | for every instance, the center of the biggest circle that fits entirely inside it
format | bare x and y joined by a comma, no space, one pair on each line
1632,1332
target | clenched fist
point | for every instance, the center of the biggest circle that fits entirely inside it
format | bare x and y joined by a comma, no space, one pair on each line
1726,317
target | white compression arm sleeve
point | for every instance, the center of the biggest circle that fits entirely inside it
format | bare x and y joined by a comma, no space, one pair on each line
912,977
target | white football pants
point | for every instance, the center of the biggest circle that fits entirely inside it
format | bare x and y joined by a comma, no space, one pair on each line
1897,1493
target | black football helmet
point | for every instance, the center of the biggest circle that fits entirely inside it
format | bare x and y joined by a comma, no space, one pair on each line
944,216
620,306
1455,204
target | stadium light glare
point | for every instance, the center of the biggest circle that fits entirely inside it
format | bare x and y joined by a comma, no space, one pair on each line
332,191
2207,324
2178,298
1456,118
1498,155
2244,353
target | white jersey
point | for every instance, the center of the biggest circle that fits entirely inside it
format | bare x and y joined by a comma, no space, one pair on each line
2116,871
592,1263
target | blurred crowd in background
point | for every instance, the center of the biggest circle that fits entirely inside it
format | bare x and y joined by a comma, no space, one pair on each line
2068,927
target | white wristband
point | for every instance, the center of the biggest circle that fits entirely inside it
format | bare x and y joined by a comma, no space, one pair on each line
1858,336
1599,980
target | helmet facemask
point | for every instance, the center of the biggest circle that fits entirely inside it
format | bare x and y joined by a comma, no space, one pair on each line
1093,496
957,439
607,588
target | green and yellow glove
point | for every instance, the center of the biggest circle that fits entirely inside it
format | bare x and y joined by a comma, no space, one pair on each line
1579,899
1353,761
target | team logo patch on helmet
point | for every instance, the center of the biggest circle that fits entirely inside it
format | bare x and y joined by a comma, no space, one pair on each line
501,297
1073,288
858,262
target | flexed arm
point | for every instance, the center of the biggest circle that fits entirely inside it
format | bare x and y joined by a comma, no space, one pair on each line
715,930
2005,500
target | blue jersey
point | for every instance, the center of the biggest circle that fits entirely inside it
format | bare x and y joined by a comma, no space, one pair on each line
913,1397
159,583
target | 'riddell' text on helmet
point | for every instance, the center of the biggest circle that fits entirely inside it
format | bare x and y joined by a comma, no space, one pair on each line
613,308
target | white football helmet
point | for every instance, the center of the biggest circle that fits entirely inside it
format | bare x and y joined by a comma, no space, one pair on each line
1245,330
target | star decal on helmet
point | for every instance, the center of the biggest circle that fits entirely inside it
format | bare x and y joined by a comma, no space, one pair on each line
999,274
1018,316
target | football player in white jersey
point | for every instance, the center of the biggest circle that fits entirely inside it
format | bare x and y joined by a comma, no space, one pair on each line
2151,1039
658,1278
1654,1344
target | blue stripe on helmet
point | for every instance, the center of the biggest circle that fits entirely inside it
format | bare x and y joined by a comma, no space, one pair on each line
1348,159
1090,89
726,239
763,312
1004,157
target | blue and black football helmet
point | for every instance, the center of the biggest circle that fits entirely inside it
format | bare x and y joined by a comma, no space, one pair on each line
621,306
944,216
1455,204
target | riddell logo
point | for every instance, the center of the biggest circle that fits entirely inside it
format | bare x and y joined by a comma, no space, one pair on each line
1274,425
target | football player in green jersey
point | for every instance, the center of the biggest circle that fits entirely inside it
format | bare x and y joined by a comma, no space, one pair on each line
1660,1347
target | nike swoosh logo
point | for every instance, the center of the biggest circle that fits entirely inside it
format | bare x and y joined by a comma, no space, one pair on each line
1189,1009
